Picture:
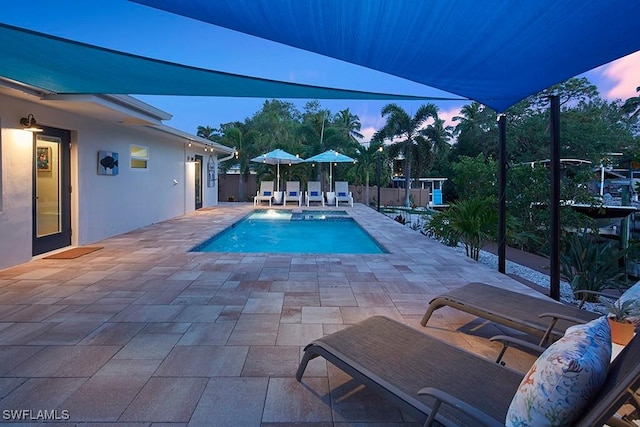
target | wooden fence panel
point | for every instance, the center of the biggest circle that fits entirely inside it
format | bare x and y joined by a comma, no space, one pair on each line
228,191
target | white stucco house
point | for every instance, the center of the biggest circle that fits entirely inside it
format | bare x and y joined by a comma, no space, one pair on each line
101,165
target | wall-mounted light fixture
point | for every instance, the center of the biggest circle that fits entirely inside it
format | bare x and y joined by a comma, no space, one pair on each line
29,123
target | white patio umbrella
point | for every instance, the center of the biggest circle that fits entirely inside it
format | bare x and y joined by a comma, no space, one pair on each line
330,156
277,157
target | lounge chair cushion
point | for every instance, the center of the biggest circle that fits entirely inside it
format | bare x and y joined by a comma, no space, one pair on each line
564,378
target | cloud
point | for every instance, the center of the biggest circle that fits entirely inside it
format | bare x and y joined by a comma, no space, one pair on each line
370,123
367,133
449,114
624,75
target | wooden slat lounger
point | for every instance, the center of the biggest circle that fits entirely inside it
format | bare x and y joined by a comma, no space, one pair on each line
397,362
543,317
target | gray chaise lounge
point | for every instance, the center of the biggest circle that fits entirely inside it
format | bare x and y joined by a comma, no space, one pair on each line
397,362
543,317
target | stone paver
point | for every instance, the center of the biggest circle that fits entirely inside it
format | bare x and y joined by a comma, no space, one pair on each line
143,332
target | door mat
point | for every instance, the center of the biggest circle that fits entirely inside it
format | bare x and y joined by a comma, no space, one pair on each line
74,253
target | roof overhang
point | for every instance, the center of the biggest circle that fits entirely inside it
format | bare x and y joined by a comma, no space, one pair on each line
119,109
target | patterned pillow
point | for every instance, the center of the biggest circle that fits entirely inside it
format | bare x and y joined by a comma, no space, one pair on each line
564,378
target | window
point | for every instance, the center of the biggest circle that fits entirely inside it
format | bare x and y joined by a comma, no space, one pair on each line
139,157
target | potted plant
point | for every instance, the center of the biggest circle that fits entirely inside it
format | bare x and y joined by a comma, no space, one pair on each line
619,314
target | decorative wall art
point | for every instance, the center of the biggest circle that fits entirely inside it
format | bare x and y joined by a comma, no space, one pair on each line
43,159
211,172
107,163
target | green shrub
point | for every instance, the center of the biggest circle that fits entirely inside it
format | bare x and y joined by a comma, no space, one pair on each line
474,222
592,265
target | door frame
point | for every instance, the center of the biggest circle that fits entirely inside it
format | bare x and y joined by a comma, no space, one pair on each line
61,239
198,177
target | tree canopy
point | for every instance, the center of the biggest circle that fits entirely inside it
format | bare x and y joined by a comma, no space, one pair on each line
591,127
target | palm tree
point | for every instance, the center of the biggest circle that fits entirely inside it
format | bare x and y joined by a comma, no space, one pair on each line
400,124
475,131
207,132
349,125
367,158
312,135
439,135
632,105
422,154
239,135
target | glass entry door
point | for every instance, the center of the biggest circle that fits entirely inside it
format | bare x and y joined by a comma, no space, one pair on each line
198,179
51,191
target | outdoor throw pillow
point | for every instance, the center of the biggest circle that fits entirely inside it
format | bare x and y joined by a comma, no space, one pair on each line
342,194
293,193
267,193
564,378
314,193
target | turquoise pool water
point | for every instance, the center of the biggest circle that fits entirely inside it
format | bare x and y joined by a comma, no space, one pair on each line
281,231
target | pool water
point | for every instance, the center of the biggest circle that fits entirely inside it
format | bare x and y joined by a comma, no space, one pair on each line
281,231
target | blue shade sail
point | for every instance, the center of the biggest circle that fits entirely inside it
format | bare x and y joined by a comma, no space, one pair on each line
496,52
63,66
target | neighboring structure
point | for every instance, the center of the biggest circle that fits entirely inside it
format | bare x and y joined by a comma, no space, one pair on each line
102,165
436,188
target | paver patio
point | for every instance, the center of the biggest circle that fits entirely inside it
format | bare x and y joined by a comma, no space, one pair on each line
144,332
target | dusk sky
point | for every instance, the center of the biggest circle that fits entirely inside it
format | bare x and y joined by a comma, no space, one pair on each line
133,28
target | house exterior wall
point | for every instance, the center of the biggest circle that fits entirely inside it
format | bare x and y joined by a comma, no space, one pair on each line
102,205
16,194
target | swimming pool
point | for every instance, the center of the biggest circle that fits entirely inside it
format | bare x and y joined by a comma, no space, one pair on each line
283,231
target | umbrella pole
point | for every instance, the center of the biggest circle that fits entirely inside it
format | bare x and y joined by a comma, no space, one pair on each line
278,182
330,175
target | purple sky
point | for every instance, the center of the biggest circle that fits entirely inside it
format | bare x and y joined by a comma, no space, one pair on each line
129,27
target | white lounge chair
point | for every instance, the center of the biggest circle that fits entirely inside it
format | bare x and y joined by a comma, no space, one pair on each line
265,193
343,194
293,193
314,193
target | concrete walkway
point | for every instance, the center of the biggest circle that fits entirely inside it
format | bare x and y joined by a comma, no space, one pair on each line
144,332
